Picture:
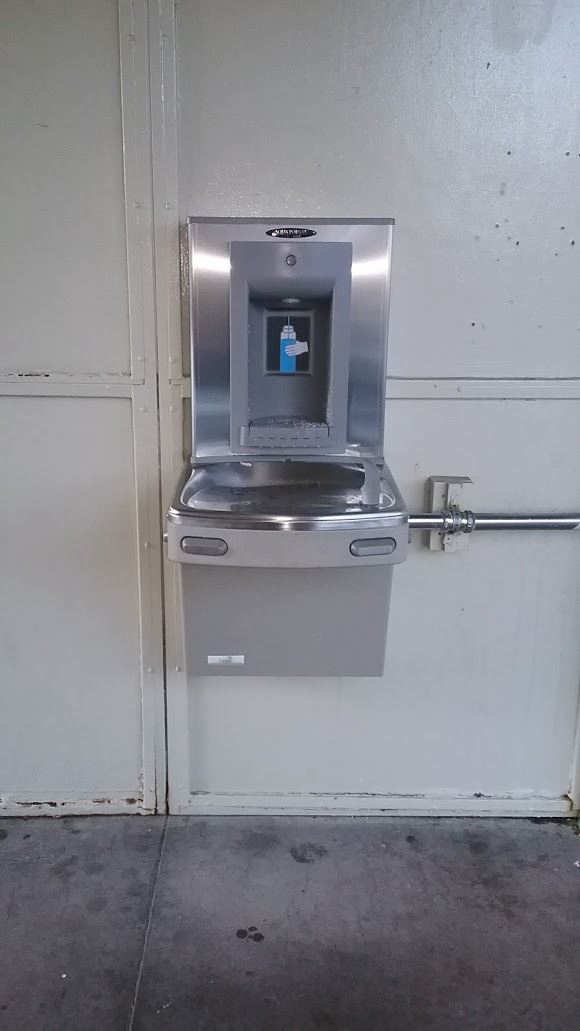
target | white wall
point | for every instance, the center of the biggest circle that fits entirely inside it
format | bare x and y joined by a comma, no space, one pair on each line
80,616
118,122
458,120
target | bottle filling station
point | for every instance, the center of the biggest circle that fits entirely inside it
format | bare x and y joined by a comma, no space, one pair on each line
286,521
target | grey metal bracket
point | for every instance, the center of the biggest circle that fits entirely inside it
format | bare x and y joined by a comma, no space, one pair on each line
448,494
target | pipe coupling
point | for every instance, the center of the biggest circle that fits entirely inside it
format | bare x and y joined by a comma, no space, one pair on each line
457,520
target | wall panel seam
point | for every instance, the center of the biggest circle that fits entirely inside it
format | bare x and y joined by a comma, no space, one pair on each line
162,72
136,128
457,389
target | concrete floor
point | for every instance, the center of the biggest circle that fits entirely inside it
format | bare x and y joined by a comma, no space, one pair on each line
288,924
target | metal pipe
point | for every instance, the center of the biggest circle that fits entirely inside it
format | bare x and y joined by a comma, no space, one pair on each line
455,520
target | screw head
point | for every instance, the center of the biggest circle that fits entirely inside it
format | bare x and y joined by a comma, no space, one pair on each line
290,259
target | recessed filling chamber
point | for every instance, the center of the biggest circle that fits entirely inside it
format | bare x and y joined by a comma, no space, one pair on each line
288,369
289,340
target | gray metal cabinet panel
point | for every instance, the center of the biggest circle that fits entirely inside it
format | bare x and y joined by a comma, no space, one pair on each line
281,621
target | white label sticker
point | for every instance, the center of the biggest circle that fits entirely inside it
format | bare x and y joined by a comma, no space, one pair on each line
226,660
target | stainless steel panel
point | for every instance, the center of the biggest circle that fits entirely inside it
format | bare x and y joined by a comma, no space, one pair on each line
286,548
208,304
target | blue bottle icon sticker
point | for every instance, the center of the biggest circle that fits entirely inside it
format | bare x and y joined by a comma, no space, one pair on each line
290,348
287,338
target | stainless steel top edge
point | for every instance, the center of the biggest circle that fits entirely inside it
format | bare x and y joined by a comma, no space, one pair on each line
294,455
287,219
184,517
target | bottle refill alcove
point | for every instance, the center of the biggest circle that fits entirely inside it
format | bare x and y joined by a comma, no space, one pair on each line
286,521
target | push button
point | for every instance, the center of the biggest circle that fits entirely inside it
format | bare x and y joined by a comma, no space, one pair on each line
373,546
212,547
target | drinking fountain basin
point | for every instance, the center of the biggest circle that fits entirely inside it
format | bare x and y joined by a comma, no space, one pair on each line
283,488
330,513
